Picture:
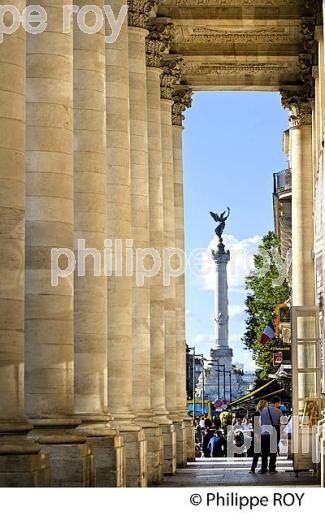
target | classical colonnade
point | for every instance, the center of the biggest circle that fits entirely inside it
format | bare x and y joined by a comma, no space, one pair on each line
92,371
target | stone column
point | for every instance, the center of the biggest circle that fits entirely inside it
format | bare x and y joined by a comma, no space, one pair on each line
20,461
171,75
156,44
303,284
303,277
138,15
90,221
49,224
182,100
119,284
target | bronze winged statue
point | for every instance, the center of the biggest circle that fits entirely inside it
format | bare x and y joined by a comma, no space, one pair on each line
222,221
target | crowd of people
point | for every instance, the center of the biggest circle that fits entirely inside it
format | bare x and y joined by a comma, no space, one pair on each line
256,435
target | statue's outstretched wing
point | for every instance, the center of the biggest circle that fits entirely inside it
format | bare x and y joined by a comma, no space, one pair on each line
215,216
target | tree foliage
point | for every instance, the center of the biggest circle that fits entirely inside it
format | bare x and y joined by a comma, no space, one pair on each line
266,286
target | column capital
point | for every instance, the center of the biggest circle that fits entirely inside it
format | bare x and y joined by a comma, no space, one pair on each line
182,100
138,13
299,106
171,76
161,32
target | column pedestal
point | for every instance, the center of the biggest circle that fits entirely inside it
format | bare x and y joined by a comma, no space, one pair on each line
70,455
108,449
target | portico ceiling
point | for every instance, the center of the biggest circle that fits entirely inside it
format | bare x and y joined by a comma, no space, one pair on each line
240,44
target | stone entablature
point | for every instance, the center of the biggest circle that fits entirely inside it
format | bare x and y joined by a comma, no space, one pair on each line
251,44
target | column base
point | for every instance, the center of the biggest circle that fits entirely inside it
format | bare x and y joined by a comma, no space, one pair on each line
108,450
190,438
70,456
154,440
135,447
21,462
181,441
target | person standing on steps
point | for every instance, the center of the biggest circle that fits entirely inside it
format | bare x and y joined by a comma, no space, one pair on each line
254,449
270,434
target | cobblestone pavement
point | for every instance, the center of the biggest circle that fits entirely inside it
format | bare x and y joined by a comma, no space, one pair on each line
235,471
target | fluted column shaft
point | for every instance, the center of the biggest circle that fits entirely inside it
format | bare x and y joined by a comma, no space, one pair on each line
119,300
157,321
49,390
180,280
12,226
169,242
49,219
90,202
119,231
303,286
140,220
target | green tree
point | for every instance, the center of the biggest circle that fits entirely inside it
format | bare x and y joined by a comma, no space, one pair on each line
266,286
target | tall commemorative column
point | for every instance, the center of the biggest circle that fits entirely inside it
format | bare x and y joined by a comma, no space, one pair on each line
119,232
182,99
20,462
49,356
171,76
90,223
138,17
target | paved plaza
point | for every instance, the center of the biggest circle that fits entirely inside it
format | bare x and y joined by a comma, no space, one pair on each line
235,471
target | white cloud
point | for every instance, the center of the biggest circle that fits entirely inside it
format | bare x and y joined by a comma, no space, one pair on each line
236,311
202,339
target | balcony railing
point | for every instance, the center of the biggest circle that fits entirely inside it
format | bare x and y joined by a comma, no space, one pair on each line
282,180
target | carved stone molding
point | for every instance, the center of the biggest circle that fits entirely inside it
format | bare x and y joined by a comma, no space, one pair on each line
171,76
138,12
182,100
207,35
158,41
219,69
299,106
226,3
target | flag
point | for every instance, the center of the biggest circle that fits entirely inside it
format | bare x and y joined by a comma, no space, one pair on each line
268,333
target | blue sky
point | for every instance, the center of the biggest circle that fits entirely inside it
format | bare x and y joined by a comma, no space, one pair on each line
232,145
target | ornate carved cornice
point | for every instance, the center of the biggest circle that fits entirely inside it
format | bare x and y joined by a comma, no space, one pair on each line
223,36
158,40
235,68
182,101
138,12
299,106
171,76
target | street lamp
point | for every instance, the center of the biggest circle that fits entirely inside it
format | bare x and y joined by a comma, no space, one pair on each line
195,356
224,371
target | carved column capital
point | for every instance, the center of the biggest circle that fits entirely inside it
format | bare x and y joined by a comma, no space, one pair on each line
158,41
182,100
299,106
138,12
171,76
